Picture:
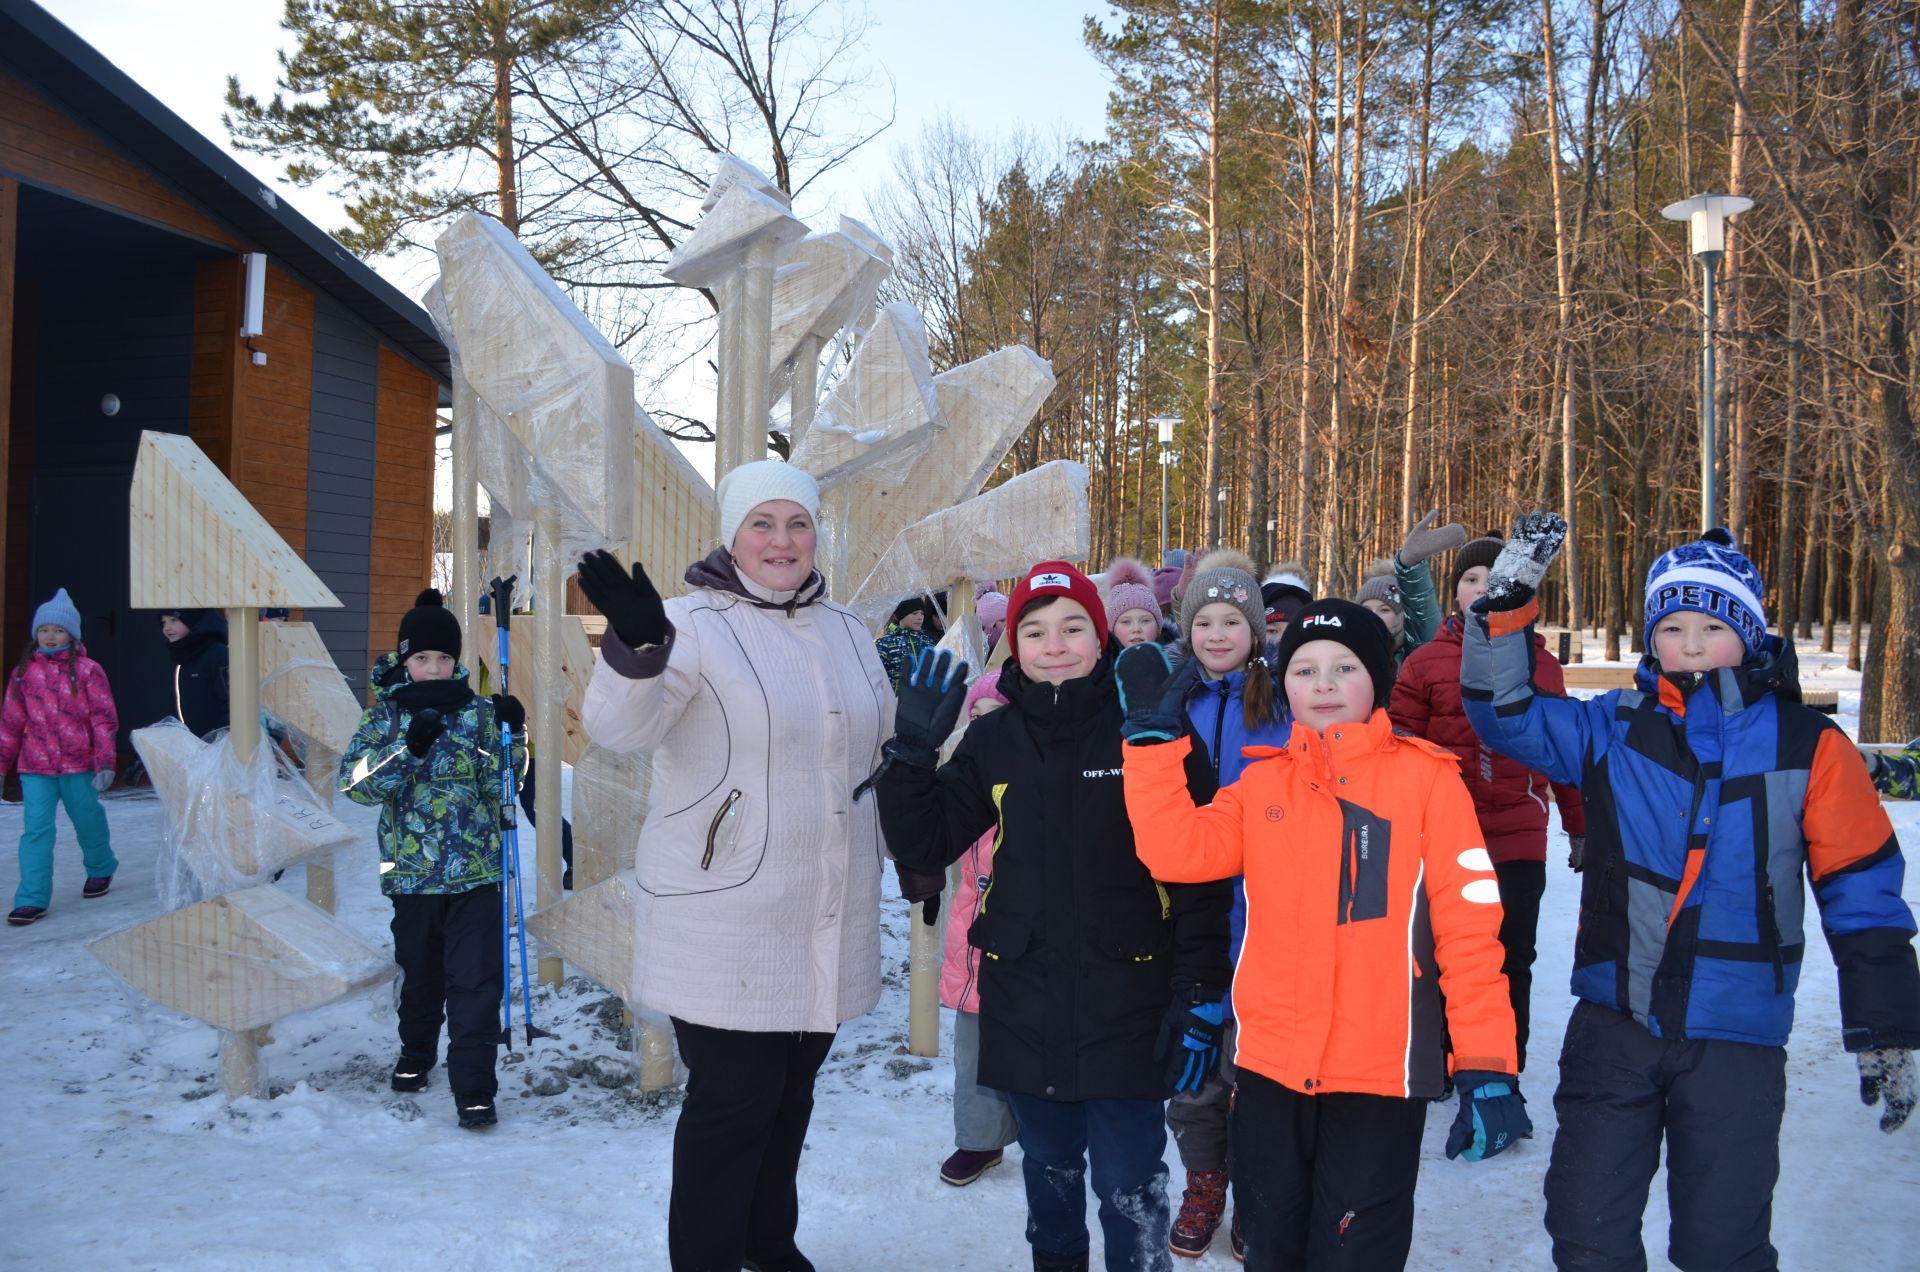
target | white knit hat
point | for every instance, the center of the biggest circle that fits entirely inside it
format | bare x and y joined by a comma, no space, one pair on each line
750,485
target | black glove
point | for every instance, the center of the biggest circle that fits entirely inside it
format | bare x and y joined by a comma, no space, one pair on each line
423,730
1517,571
509,711
1153,714
1576,853
1198,1023
922,888
927,708
630,601
1493,1114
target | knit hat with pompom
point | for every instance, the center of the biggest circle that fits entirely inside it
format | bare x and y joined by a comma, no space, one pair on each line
1129,586
429,625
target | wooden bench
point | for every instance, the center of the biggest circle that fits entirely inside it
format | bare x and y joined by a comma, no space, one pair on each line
1581,676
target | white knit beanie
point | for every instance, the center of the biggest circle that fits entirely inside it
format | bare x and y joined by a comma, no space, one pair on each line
750,485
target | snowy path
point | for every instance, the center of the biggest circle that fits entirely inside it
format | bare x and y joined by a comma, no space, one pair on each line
121,1153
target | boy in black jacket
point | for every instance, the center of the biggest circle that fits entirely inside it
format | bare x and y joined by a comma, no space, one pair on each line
1093,971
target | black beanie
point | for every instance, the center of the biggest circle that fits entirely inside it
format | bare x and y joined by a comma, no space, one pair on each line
1356,627
429,625
1482,551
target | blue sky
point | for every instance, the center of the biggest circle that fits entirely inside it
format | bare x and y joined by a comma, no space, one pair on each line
997,67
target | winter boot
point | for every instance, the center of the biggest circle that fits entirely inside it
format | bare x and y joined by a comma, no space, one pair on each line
792,1261
476,1114
1072,1263
968,1164
1236,1238
26,914
410,1071
96,886
1200,1213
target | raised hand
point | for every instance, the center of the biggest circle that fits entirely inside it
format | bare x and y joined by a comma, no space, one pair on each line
630,601
1517,571
927,707
1426,539
1145,676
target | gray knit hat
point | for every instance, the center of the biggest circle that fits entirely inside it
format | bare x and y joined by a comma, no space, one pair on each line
1382,585
1224,575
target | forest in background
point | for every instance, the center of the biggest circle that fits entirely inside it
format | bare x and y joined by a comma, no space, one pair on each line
1378,257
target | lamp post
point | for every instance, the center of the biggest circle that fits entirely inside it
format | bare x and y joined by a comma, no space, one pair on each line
1165,423
1707,215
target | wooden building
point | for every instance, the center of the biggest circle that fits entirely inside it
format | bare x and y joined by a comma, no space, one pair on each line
127,241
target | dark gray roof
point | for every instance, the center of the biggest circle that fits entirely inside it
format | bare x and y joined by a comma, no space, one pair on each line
37,48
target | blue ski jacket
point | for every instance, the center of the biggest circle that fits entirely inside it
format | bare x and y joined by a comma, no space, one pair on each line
1708,796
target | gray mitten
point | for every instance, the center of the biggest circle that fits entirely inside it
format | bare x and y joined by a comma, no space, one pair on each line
1524,561
1426,539
1886,1076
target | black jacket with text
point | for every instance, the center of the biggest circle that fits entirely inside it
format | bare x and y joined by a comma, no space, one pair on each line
1083,950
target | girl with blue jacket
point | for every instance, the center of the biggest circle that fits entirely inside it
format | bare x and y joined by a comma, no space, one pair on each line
1231,703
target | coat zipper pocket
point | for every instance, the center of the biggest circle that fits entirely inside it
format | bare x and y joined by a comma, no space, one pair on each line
727,812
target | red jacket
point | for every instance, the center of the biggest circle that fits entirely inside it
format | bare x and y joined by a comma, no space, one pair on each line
1510,799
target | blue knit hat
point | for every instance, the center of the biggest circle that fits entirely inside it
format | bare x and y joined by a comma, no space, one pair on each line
1709,576
60,612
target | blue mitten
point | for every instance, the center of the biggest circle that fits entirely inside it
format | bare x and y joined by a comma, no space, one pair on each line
1493,1114
1152,713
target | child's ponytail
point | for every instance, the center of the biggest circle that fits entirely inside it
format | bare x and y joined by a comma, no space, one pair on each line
1256,693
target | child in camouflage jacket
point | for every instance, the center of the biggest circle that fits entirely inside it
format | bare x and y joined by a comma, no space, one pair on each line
428,754
1895,773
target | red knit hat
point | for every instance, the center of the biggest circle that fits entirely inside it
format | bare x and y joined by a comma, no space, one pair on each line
1054,578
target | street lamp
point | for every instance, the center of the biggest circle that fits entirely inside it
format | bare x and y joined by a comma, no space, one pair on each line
1707,214
1165,423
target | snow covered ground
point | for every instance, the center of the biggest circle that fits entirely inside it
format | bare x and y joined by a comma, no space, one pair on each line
120,1151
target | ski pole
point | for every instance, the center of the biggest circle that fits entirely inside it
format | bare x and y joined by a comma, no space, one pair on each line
502,600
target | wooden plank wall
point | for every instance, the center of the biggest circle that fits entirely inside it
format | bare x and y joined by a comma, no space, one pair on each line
43,145
403,496
272,409
9,238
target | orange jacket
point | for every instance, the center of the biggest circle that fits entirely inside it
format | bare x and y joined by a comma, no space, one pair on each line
1369,894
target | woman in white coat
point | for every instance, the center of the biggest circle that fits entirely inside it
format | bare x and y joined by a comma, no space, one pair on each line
757,926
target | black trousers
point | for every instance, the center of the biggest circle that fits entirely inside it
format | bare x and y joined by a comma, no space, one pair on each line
1324,1183
1522,883
448,948
1717,1103
736,1150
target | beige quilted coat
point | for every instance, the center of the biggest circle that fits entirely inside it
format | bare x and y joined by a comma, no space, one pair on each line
759,876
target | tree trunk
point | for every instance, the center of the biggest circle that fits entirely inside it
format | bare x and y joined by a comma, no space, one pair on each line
1214,403
506,164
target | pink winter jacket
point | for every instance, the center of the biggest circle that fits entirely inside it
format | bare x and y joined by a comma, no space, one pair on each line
960,962
58,717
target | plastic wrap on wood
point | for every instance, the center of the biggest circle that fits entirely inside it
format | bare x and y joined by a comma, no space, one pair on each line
1039,515
563,392
883,413
244,960
229,826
